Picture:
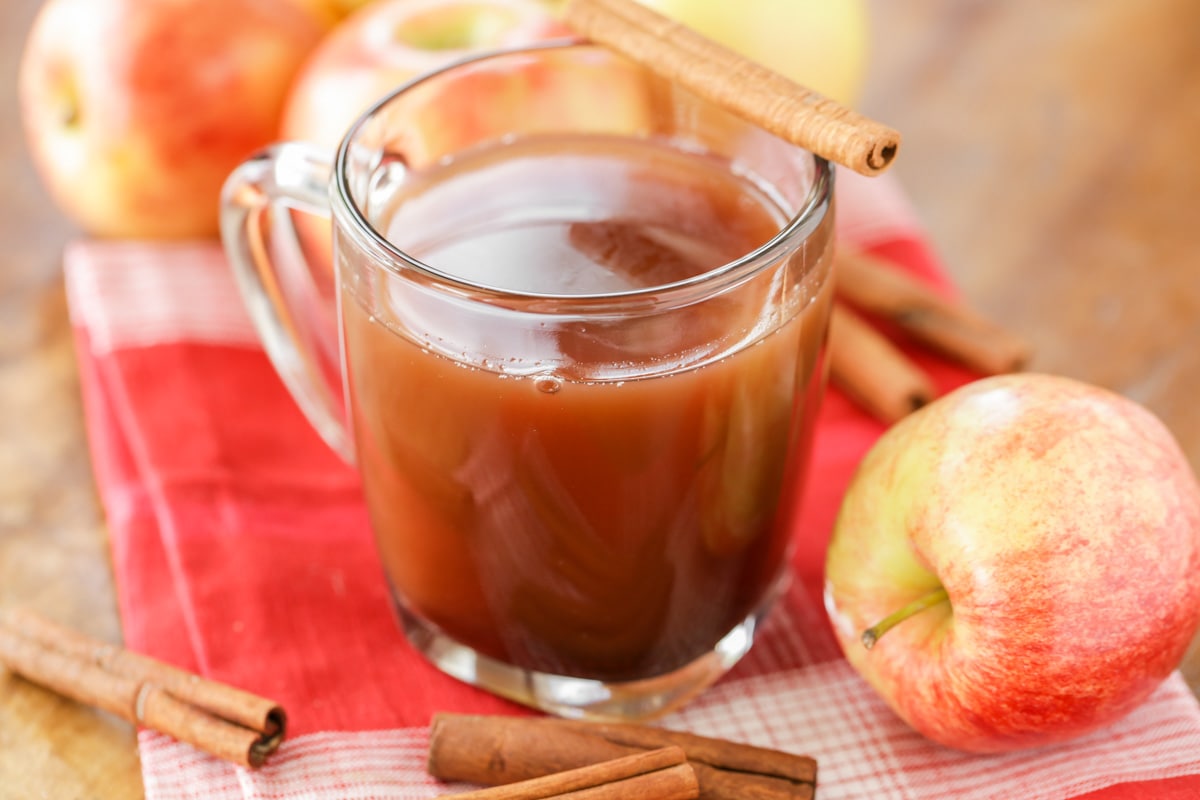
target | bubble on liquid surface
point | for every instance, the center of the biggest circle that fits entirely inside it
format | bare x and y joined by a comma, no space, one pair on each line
547,384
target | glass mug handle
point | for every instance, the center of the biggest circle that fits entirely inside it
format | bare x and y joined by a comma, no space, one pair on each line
289,300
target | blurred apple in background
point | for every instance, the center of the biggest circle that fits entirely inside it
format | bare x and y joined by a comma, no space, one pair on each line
136,110
389,42
382,46
600,93
821,44
1031,546
334,11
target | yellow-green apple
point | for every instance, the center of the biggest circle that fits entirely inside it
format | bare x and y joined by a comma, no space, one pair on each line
389,42
821,44
135,111
1024,556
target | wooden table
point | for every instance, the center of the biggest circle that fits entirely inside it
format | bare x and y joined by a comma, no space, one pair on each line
1050,148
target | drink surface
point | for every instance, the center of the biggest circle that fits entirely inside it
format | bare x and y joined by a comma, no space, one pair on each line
581,215
601,498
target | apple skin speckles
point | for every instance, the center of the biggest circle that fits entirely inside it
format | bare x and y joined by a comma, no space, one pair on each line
1063,521
135,111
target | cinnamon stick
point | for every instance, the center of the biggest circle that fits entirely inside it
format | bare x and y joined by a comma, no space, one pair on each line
225,721
661,774
499,750
872,371
744,87
872,285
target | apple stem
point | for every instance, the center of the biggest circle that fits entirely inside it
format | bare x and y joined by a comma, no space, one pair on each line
67,98
871,635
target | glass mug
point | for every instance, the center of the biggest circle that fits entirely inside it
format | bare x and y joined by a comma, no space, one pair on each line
572,338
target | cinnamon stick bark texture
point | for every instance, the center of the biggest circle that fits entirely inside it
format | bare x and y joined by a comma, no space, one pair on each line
661,774
750,90
496,750
225,721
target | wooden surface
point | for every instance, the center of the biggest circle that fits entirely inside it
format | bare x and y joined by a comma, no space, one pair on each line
1050,149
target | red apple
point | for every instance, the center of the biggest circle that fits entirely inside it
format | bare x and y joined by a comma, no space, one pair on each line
1025,554
558,91
334,10
389,42
378,48
136,110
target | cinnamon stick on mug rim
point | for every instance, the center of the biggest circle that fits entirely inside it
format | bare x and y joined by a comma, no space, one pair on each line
661,774
748,89
222,720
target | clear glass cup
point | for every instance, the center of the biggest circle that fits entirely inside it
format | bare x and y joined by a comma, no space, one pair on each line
583,483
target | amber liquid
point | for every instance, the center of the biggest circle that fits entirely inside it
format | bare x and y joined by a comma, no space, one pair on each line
532,496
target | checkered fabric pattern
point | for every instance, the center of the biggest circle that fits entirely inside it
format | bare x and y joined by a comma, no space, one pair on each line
242,551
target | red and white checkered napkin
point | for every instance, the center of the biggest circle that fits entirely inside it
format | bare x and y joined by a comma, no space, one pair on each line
241,551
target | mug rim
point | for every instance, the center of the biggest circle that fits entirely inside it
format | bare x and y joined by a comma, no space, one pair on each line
791,235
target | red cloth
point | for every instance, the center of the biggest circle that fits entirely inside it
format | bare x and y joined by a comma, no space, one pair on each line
241,550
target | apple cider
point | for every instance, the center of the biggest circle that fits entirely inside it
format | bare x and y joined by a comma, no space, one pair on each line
563,484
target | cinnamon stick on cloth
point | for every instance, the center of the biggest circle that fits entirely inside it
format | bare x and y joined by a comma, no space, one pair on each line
222,720
874,286
744,87
661,774
872,371
495,750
